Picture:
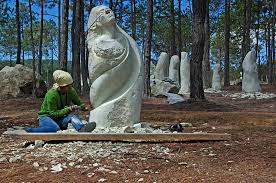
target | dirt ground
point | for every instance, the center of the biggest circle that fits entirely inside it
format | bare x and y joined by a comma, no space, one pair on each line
250,156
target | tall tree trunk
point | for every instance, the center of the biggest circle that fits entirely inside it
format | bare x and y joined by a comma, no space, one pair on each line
84,70
133,18
248,25
18,33
52,63
64,35
206,56
257,40
198,37
266,52
273,38
40,38
76,48
147,58
179,29
23,53
59,24
270,64
243,49
226,43
73,31
33,47
172,21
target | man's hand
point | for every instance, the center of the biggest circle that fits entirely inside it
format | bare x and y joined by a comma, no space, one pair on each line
74,108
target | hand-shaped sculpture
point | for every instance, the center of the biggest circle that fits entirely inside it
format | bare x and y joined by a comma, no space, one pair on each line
115,71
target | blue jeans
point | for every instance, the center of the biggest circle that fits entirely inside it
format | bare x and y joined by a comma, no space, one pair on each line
47,124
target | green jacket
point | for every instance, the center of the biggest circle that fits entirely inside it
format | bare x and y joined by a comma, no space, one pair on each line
55,104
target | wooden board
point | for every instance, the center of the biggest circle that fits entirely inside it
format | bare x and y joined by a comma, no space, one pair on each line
126,137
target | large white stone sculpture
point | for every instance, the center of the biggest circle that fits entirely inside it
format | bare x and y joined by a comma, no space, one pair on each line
162,67
174,69
115,71
250,81
184,74
216,85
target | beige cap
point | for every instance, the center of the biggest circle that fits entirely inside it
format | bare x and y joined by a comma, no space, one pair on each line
62,78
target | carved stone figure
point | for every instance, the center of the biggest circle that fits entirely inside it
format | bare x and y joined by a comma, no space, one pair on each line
162,67
174,69
184,73
115,71
250,81
216,85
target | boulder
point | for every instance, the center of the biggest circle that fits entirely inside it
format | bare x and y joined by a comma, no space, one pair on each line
18,81
159,87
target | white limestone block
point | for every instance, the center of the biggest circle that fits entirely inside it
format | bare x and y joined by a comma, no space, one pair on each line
162,67
115,71
216,85
250,81
184,74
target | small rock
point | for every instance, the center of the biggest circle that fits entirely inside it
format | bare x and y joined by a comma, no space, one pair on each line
95,164
56,168
183,163
146,171
3,159
211,154
80,160
113,172
71,163
39,143
35,164
129,130
41,169
102,180
141,179
14,159
90,175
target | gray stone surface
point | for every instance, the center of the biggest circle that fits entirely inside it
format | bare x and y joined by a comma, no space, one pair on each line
17,81
250,81
159,87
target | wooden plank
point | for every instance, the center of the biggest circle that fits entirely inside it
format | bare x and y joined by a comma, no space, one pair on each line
126,137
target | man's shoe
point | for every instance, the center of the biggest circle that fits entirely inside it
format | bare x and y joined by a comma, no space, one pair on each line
89,127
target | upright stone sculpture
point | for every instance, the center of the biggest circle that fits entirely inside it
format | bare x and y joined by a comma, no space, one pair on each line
115,71
250,81
174,69
184,73
162,67
216,85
